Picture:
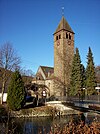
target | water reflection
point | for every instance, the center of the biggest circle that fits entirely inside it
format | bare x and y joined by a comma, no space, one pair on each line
41,125
35,125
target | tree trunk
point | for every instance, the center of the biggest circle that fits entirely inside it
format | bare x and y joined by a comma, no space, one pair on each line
2,93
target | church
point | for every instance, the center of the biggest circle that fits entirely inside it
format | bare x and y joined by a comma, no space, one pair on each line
55,81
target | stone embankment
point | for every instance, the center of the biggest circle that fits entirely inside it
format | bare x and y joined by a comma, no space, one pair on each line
60,108
33,112
95,107
52,108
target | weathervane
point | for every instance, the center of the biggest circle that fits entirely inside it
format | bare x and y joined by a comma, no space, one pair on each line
62,11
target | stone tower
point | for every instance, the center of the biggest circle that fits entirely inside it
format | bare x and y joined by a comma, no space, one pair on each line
63,55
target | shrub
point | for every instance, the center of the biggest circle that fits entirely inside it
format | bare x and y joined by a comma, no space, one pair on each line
3,111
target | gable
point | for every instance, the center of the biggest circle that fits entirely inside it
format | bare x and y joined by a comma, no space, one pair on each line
44,72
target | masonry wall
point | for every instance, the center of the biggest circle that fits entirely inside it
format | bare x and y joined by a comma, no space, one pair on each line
63,55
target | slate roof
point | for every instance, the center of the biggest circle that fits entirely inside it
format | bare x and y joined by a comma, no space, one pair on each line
47,70
63,25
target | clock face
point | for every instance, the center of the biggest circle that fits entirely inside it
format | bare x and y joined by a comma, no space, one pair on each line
69,42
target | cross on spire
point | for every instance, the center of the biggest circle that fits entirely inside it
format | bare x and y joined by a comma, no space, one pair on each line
62,11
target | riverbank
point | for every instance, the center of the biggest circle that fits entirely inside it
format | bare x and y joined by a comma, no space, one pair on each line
41,111
48,110
33,112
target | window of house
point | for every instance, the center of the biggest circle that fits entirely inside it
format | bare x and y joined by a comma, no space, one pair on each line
66,35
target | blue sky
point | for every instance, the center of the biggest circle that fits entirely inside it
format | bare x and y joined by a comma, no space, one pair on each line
29,25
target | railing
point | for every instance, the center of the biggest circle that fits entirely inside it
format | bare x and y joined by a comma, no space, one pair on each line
77,98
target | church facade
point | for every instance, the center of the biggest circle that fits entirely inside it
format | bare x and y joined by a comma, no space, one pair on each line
57,79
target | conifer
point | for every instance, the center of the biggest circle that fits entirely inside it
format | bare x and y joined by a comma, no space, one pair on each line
90,74
76,77
16,92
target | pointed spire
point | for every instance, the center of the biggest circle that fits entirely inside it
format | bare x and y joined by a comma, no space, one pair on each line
63,25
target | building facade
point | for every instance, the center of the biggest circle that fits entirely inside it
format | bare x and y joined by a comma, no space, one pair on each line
57,79
44,80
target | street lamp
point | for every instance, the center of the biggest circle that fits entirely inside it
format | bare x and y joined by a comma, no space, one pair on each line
44,94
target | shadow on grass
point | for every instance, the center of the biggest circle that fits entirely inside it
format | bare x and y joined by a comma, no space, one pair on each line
30,105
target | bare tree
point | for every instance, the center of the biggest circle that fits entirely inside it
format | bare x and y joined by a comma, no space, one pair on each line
27,75
9,61
28,72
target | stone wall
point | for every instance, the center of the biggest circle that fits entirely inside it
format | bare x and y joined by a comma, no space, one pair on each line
32,112
63,56
51,109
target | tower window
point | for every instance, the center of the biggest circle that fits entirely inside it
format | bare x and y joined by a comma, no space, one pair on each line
66,35
69,36
56,37
60,36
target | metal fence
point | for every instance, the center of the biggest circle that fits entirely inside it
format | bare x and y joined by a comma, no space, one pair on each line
77,98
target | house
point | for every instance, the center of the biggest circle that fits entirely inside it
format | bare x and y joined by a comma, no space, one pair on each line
6,86
97,88
4,95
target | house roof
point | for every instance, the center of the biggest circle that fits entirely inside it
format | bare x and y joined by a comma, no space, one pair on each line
63,25
47,70
44,72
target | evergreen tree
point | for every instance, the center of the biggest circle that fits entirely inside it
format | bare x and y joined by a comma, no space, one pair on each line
76,75
16,92
83,76
90,74
72,80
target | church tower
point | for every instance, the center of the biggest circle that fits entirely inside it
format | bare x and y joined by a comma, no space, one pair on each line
63,55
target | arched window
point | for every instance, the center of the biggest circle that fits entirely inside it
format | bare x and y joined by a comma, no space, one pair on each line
60,36
66,35
69,36
56,37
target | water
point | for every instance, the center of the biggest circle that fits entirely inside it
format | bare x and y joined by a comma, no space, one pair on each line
41,125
